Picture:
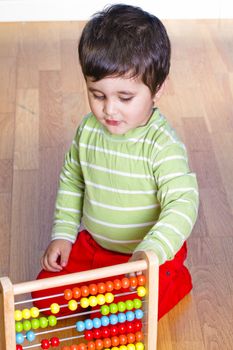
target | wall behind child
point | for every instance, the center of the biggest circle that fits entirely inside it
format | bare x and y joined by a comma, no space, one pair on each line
66,10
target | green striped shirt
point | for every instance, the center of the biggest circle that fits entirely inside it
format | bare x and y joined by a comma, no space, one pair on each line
131,192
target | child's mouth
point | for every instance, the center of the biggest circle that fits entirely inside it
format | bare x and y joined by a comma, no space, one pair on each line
112,122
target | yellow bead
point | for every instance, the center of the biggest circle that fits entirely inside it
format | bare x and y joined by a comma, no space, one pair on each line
55,308
141,291
72,305
115,348
84,302
109,298
123,347
18,315
93,301
139,346
130,347
26,314
34,311
100,299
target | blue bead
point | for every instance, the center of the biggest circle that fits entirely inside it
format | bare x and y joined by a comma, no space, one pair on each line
139,314
96,322
80,326
88,323
130,315
19,338
105,320
121,317
30,335
113,319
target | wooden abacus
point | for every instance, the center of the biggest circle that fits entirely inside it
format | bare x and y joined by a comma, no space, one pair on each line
147,263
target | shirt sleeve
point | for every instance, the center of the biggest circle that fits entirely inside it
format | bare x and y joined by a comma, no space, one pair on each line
177,192
69,201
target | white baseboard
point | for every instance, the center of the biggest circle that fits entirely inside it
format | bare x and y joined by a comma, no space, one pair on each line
68,10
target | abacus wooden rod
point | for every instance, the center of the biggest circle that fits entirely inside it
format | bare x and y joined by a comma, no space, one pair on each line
78,277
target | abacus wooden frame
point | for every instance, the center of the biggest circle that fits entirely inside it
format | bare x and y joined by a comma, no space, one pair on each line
146,262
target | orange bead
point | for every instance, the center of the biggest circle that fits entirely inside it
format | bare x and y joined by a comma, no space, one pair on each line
141,280
85,291
115,341
117,284
99,344
125,282
123,339
93,289
133,282
131,338
109,286
76,292
139,336
107,342
68,294
74,347
82,346
101,287
66,348
91,345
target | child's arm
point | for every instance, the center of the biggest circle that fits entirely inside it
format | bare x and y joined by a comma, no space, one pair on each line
177,192
56,255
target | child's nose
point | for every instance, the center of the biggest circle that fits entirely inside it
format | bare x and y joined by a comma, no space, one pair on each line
109,108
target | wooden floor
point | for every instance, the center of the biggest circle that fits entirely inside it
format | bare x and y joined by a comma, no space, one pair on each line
42,99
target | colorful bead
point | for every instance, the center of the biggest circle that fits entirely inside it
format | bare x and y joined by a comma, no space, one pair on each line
141,291
104,310
26,314
139,346
133,282
19,347
18,315
85,291
123,339
18,327
96,322
76,292
84,302
117,284
113,308
130,347
27,325
114,330
93,289
141,280
93,301
88,324
109,297
34,311
106,332
80,326
113,319
100,299
139,336
104,321
88,334
45,344
137,303
125,282
91,345
19,338
68,294
54,341
101,287
35,323
115,341
139,314
121,317
72,305
99,344
43,322
129,304
74,347
109,286
123,347
131,337
97,333
52,320
55,308
30,335
121,306
130,316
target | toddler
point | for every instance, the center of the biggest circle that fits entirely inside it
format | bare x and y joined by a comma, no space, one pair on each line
125,185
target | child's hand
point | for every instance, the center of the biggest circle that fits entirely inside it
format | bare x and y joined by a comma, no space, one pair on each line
56,255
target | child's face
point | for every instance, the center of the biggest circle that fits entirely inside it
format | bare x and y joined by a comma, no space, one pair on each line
120,103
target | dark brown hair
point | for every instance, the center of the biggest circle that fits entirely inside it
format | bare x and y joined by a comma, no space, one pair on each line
124,39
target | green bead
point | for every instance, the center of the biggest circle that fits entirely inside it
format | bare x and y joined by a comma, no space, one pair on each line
52,320
43,322
27,325
129,304
104,310
18,327
121,306
113,308
35,323
137,303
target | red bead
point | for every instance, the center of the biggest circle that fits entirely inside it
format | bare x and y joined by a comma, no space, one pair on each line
97,333
106,332
117,284
19,347
91,345
85,291
68,295
107,342
129,327
125,282
88,334
101,287
115,341
109,286
114,330
137,325
54,341
76,292
123,339
122,328
93,289
99,344
141,280
133,282
45,344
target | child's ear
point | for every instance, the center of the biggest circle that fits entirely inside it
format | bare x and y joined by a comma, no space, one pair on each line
159,93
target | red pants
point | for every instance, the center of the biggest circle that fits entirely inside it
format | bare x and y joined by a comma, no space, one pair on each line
174,278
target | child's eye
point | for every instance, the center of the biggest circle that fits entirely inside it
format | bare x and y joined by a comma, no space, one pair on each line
126,99
98,97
